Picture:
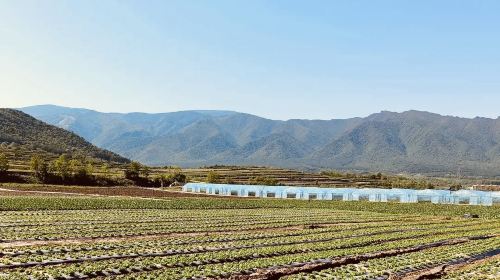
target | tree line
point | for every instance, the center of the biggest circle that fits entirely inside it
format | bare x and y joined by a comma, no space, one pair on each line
140,175
80,171
68,170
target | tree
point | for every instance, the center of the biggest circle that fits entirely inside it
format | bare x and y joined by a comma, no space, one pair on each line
179,177
133,170
4,163
167,180
39,167
74,167
145,171
213,177
175,169
62,167
89,168
80,170
105,170
163,179
176,174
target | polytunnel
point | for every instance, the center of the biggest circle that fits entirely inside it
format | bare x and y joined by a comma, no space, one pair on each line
495,197
429,195
470,197
292,193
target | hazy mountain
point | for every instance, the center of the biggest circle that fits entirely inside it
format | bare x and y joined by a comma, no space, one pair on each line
417,142
22,129
412,141
196,137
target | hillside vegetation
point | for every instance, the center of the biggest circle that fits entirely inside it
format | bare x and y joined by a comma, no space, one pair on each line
19,131
413,142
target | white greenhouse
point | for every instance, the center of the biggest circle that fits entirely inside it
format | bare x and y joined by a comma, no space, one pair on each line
349,194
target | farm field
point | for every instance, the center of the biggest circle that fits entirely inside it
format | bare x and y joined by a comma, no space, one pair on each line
128,191
79,237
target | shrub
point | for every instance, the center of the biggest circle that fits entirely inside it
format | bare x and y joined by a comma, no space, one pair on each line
62,167
4,163
133,170
40,168
213,177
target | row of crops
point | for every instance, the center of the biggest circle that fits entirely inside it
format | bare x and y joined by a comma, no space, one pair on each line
237,243
35,203
488,269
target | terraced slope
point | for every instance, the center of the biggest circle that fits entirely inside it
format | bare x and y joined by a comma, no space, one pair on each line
289,177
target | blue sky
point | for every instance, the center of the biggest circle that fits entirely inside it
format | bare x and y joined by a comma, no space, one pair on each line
277,59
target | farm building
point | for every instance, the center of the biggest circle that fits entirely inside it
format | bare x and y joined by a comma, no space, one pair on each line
349,194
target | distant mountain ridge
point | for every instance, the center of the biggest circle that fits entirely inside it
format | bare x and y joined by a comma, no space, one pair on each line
22,129
412,141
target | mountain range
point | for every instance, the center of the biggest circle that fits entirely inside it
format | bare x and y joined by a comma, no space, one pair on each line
412,141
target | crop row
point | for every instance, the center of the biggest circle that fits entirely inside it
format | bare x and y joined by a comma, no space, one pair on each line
17,218
251,266
204,224
252,255
405,263
162,241
148,248
32,203
489,269
54,234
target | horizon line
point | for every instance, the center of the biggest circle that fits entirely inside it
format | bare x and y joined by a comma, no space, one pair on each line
239,112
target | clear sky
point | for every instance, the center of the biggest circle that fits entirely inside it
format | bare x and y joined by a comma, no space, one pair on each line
276,58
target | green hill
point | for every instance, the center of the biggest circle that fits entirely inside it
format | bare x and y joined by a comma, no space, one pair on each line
20,129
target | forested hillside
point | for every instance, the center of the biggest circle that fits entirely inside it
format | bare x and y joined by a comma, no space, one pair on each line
18,128
418,142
